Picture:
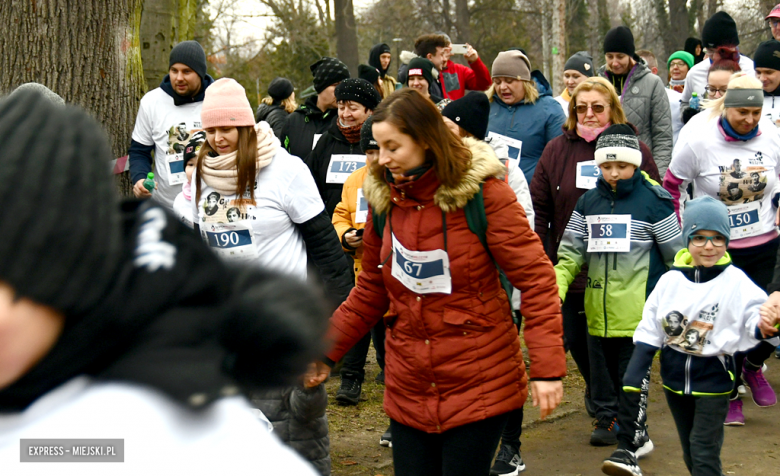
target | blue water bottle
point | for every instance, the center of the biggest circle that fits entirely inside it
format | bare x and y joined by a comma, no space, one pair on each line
694,104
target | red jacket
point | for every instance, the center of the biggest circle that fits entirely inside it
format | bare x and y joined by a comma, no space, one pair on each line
453,359
456,79
554,191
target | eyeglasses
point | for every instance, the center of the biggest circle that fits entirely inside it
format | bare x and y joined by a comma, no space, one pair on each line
596,108
679,64
712,90
701,241
773,22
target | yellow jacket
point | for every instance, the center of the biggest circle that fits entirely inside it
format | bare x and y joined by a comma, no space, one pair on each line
344,216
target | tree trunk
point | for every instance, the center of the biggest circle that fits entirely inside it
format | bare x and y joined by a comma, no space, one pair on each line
559,43
678,20
463,17
346,34
604,22
157,39
88,52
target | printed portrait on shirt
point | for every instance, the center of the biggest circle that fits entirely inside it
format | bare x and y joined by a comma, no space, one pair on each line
744,181
690,335
179,135
218,209
673,323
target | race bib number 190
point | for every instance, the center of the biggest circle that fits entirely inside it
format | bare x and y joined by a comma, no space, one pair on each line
232,241
609,233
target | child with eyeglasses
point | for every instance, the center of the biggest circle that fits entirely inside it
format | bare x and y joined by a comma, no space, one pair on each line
626,231
721,314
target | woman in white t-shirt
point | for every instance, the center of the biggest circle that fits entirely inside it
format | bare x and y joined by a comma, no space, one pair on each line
254,202
731,153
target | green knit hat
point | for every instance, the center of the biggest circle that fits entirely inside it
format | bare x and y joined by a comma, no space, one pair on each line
681,55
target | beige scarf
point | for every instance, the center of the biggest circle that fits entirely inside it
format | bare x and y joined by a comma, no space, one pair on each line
221,173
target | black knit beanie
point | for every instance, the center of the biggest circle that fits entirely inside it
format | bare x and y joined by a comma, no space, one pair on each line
619,40
471,112
421,67
720,30
328,71
580,62
60,219
358,90
189,53
369,73
280,89
367,141
767,55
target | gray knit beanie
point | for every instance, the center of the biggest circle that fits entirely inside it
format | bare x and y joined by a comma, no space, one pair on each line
43,90
60,218
705,213
189,53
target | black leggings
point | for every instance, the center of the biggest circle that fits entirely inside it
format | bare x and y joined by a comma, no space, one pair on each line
699,422
463,451
758,263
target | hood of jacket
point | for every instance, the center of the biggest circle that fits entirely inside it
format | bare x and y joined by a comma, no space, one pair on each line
373,58
178,100
263,110
542,85
407,56
484,165
310,109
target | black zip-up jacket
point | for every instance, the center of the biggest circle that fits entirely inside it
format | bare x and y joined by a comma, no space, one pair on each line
332,142
275,115
298,132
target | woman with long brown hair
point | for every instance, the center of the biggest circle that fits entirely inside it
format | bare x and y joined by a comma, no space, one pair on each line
242,166
453,364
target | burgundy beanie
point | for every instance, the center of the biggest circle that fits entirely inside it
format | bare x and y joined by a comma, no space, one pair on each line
226,105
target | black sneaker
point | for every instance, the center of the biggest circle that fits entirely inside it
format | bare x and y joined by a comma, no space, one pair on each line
387,439
621,463
508,462
380,377
349,392
605,432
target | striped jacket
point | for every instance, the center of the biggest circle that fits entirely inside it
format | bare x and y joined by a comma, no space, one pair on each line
619,282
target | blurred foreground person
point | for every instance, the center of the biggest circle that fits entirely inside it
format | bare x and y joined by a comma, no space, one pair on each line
126,326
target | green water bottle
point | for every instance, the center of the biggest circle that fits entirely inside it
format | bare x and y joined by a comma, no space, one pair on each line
149,182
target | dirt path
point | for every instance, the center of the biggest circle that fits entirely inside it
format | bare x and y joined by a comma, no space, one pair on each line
560,446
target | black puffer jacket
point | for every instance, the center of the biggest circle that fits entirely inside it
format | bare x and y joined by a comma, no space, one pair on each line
332,142
275,115
298,416
298,132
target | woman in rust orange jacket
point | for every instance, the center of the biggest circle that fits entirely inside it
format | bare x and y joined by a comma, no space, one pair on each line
453,363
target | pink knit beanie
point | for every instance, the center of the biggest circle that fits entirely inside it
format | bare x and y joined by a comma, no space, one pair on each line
225,105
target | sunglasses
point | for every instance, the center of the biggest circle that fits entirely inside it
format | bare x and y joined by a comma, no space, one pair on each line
596,108
700,241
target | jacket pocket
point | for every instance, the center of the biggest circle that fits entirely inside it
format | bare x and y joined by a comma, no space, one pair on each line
466,319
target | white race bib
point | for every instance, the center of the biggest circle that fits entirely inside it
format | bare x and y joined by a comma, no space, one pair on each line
515,147
342,165
316,139
176,169
588,174
361,208
233,241
422,272
744,220
610,233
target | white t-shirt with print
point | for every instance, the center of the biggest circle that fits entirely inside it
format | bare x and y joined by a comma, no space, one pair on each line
265,233
169,128
736,173
182,208
771,109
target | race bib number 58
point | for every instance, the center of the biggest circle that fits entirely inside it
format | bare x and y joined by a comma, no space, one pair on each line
609,233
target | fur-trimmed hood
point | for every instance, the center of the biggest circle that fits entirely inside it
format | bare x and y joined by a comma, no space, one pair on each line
484,164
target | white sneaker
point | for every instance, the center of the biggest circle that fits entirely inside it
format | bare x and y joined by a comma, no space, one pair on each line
741,390
645,449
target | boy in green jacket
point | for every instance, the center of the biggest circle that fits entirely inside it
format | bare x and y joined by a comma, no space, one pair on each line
627,233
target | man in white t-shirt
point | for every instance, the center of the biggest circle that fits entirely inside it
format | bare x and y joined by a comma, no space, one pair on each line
720,37
167,118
